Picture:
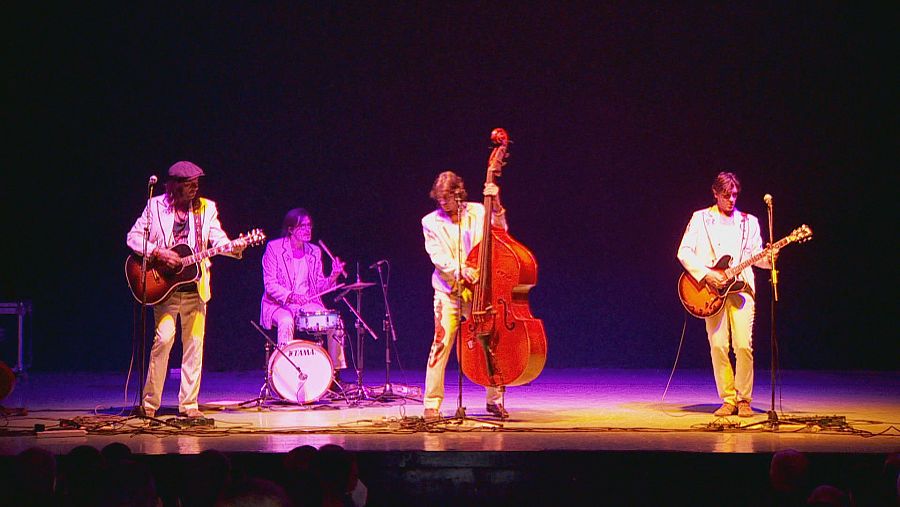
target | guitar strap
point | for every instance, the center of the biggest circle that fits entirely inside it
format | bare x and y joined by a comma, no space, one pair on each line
198,237
744,236
198,226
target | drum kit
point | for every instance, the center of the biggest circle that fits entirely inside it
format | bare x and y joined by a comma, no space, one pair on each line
302,371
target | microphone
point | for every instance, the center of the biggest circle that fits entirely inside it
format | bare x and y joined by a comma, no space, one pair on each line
378,263
768,200
153,180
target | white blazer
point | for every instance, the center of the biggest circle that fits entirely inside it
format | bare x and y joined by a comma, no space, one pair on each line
161,215
698,251
278,277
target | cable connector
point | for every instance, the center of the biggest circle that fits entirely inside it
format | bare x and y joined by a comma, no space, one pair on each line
722,425
189,422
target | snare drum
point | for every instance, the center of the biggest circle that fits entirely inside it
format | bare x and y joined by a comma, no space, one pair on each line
316,322
300,372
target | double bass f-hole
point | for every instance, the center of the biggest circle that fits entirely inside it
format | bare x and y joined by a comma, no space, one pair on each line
507,323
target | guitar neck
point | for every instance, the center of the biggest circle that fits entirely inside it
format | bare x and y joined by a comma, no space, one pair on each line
734,270
210,252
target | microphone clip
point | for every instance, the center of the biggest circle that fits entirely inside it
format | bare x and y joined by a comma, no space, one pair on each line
378,263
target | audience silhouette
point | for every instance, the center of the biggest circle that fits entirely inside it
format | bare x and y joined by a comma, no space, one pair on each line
329,476
253,492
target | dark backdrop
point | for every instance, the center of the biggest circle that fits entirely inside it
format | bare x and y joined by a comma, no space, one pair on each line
621,115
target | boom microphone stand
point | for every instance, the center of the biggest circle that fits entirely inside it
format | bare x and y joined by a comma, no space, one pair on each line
360,393
387,391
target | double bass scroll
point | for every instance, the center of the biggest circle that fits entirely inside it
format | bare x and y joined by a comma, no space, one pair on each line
503,343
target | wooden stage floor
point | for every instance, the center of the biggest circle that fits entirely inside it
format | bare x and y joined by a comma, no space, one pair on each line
563,410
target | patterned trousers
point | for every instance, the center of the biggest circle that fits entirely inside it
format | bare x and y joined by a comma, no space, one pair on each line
446,323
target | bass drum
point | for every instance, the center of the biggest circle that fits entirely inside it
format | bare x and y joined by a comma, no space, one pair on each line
300,372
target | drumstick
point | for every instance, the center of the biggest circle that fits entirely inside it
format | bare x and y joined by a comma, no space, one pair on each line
322,244
326,291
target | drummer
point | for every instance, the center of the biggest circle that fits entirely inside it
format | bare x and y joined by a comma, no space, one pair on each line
294,281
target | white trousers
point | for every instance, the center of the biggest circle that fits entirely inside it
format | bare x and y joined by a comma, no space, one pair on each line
733,327
284,322
446,322
192,311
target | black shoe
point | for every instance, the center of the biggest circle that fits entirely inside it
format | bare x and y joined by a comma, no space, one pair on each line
497,409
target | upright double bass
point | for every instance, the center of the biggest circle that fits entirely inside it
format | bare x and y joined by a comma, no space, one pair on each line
502,343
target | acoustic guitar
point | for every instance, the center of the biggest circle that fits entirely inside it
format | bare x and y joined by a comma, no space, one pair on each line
703,300
162,279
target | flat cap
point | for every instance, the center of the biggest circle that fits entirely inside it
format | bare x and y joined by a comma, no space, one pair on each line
185,170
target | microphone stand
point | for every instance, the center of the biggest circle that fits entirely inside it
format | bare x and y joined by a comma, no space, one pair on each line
460,409
387,392
772,421
140,407
460,415
772,415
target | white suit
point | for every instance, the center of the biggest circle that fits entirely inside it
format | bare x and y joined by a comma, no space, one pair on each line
190,305
709,236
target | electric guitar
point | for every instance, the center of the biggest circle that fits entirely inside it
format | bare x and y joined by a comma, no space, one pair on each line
703,300
162,279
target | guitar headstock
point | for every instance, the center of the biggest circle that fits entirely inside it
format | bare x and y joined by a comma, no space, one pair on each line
253,237
801,234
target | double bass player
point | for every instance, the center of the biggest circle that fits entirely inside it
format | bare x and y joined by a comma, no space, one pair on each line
451,231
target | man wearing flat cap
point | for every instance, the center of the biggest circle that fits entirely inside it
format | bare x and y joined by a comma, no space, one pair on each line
179,217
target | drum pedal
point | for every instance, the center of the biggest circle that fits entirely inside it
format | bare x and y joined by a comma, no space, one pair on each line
192,422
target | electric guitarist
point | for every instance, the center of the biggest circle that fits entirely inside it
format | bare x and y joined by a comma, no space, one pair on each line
712,233
179,217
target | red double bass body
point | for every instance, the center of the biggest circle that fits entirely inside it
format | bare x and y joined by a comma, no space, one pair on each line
503,344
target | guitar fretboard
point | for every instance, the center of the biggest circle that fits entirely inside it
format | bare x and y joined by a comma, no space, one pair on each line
734,270
197,257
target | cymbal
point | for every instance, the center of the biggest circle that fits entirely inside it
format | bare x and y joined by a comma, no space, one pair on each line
357,286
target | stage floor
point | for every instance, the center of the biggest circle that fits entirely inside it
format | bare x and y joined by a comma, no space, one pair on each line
563,410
